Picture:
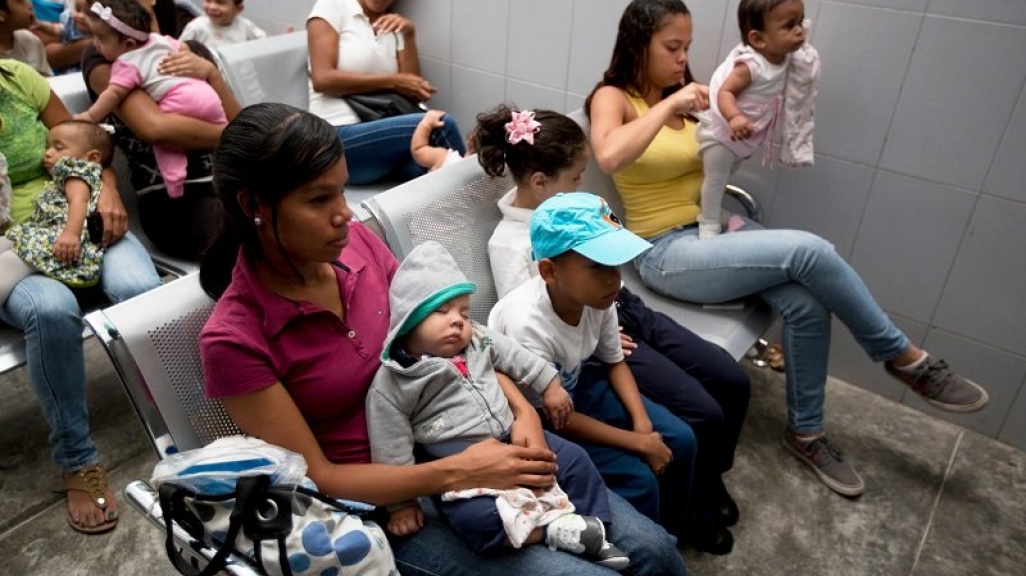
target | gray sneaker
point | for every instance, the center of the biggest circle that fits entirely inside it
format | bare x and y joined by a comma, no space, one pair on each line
941,387
827,462
584,536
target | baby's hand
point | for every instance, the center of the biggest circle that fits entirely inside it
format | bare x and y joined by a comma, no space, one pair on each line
740,127
433,119
558,404
66,248
406,521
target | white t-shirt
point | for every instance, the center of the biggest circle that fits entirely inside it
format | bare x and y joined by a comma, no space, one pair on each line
526,315
509,248
359,50
203,30
28,48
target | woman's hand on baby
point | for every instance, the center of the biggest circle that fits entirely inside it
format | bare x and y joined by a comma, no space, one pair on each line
493,464
558,404
113,214
405,521
413,86
393,23
188,64
692,98
740,127
66,248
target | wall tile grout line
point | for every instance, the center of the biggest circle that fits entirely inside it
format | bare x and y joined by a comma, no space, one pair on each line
936,503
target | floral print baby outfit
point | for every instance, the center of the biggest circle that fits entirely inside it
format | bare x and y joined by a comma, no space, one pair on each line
34,238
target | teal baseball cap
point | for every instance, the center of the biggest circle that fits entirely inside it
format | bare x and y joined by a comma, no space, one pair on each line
582,222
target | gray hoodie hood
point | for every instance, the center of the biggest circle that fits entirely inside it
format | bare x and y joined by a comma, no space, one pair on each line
427,278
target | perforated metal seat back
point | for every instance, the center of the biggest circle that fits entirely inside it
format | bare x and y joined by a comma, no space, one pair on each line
455,206
153,340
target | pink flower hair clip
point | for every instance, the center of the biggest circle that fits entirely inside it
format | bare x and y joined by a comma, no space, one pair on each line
522,127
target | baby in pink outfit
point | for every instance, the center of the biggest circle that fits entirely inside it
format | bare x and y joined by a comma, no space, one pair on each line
120,29
748,98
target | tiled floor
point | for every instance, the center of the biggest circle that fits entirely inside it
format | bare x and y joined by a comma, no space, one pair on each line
939,501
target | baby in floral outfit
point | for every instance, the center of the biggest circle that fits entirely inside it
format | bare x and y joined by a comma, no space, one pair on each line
55,240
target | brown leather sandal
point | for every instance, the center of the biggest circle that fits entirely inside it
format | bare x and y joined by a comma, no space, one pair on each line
93,481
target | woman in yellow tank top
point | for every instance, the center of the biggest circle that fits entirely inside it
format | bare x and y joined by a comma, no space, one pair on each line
642,132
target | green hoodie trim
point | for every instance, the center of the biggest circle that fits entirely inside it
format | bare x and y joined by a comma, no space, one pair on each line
426,307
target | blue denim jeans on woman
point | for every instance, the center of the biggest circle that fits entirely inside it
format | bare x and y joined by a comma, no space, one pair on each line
48,313
797,273
381,148
436,550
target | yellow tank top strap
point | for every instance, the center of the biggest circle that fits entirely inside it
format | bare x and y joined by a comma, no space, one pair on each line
661,189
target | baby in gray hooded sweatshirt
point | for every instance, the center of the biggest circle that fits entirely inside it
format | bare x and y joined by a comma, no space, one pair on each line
437,389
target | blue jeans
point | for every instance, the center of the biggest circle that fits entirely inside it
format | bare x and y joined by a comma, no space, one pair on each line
48,313
437,551
797,273
381,148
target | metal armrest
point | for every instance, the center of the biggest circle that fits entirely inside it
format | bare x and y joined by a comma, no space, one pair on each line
748,202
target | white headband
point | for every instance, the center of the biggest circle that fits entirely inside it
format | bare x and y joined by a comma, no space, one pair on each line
105,14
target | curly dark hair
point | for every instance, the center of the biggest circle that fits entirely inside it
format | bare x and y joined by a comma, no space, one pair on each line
557,144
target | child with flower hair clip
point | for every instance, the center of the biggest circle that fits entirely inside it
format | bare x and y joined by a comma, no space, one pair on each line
121,28
545,153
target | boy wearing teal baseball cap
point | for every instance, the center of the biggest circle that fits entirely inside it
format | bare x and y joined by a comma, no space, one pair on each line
566,315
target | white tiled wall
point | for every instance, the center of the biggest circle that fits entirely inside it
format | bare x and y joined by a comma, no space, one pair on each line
920,176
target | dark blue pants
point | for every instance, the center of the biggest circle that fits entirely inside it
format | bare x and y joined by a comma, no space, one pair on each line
477,520
664,498
693,378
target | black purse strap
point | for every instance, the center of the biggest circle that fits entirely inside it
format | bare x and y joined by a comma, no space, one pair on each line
249,491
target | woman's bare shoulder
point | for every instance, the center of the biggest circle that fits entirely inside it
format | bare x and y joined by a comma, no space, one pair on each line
612,101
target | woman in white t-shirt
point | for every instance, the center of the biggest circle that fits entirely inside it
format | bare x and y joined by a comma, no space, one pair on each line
358,47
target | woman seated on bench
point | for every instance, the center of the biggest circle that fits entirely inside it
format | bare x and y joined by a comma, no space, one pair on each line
362,47
180,227
296,338
643,133
47,310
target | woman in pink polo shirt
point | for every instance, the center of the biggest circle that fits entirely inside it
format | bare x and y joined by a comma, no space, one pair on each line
296,336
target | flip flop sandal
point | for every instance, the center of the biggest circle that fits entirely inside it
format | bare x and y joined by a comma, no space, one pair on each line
93,481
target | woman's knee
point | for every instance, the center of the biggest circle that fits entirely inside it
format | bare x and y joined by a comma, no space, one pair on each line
128,270
38,302
797,306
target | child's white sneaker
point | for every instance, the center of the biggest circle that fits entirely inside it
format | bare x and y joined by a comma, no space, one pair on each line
584,536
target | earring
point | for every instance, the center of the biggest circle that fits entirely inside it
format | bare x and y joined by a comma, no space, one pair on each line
258,221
